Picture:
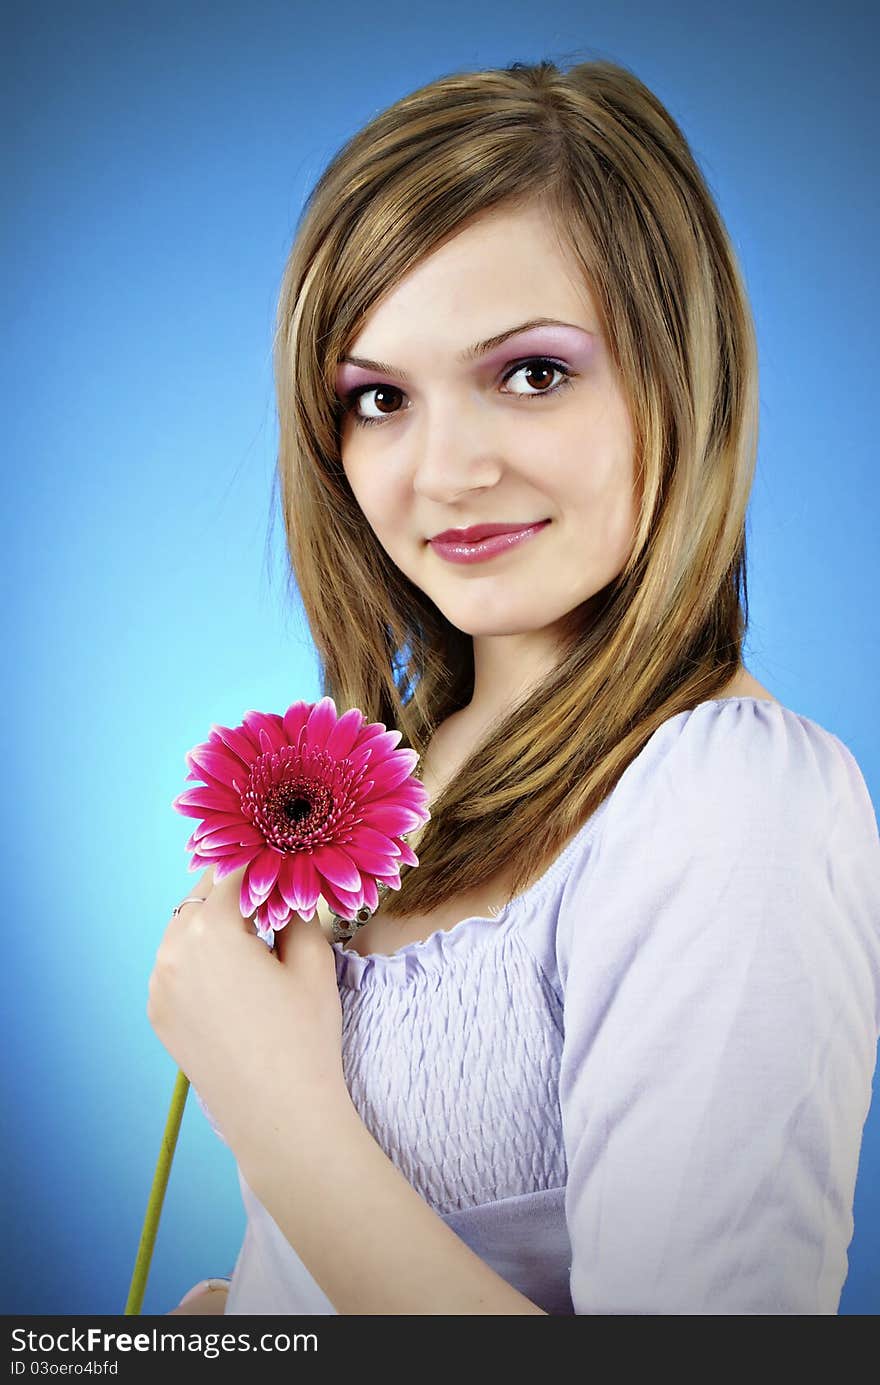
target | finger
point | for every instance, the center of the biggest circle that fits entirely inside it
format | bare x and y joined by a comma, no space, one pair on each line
296,934
200,1288
205,883
228,894
200,890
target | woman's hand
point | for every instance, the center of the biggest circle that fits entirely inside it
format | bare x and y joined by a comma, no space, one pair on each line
202,1300
250,1027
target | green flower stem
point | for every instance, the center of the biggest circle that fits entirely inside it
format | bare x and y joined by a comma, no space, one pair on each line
157,1195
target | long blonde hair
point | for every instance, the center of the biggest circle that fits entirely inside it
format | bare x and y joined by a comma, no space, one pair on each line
613,169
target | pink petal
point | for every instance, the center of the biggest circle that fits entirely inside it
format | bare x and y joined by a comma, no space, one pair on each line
392,818
278,909
237,743
250,737
352,899
263,872
413,793
298,881
392,881
194,802
225,865
246,903
371,893
218,764
390,773
294,720
383,843
217,853
241,834
191,842
307,914
407,856
215,820
360,755
368,860
336,866
371,731
347,902
322,719
379,846
257,721
383,745
341,903
344,734
262,921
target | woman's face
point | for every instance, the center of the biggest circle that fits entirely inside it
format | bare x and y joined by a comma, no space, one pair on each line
534,429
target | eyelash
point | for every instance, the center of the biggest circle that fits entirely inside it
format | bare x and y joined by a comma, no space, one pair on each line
351,399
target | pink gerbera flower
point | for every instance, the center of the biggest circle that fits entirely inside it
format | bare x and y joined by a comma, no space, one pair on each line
312,803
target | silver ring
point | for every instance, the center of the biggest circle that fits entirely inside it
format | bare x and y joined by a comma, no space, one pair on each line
190,899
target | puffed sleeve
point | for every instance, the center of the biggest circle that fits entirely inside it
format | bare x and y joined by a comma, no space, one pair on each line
720,963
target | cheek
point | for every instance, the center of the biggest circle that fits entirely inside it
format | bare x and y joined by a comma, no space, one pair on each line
380,496
623,518
365,494
383,511
599,492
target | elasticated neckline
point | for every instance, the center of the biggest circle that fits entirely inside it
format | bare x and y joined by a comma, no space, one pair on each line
429,952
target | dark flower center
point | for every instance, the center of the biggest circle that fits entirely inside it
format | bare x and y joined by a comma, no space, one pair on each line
297,809
291,812
297,800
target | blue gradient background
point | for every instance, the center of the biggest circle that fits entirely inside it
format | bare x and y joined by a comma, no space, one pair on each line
156,161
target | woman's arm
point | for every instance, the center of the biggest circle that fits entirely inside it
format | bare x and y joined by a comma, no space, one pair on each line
720,957
365,1235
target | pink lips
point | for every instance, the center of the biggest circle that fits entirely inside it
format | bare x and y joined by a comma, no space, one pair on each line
456,550
474,532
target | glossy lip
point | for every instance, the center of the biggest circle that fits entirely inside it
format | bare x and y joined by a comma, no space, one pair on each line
456,551
481,531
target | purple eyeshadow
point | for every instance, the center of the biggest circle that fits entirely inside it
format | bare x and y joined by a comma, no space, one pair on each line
575,344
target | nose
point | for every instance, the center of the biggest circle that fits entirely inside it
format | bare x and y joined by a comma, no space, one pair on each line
456,449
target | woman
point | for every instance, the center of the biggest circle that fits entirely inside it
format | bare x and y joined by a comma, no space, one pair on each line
609,1049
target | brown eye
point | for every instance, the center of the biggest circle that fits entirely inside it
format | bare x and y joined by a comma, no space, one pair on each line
387,396
543,369
384,399
547,371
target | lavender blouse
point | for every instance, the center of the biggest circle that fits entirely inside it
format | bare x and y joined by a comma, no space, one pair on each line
641,1088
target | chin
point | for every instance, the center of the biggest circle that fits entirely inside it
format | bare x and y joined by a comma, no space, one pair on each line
483,628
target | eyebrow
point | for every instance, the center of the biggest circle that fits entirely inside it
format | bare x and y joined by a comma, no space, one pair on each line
470,353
